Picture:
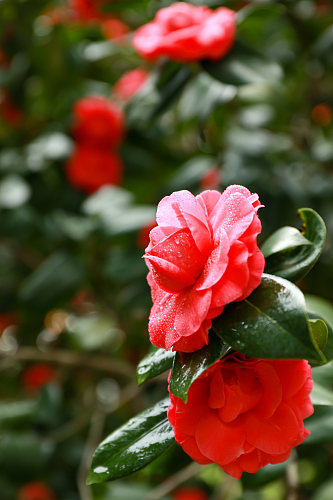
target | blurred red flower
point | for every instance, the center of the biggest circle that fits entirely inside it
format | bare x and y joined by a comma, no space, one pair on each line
86,10
322,115
130,83
36,376
185,33
36,491
6,319
211,179
9,112
89,168
114,29
190,493
244,413
98,121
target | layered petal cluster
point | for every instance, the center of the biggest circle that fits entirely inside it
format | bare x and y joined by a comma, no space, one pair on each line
185,33
98,129
244,413
202,255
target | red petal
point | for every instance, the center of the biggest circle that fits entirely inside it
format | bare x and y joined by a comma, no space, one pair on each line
275,435
218,441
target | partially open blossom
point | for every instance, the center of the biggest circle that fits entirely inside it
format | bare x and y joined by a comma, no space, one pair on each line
114,29
36,376
185,33
130,83
244,413
202,255
36,490
89,168
98,121
189,493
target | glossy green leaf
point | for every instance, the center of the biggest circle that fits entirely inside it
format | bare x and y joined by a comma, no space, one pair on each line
271,323
284,239
319,308
294,260
133,445
319,332
155,362
244,65
188,367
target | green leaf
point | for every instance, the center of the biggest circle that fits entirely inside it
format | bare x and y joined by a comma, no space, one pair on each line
133,445
17,411
293,257
283,239
57,279
319,308
155,362
319,332
271,323
188,367
243,65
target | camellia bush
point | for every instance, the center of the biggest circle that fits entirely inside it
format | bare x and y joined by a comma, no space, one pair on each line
166,197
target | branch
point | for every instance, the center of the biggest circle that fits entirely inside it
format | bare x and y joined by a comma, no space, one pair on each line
65,357
174,481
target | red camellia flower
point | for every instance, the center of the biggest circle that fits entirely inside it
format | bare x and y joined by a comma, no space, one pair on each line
130,83
36,490
187,33
202,255
89,168
38,375
244,413
189,493
98,121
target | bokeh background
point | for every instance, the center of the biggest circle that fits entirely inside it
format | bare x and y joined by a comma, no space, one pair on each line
74,303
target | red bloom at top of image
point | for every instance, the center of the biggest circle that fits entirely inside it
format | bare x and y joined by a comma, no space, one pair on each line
36,490
244,413
90,168
98,121
202,255
130,83
185,33
189,493
36,376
